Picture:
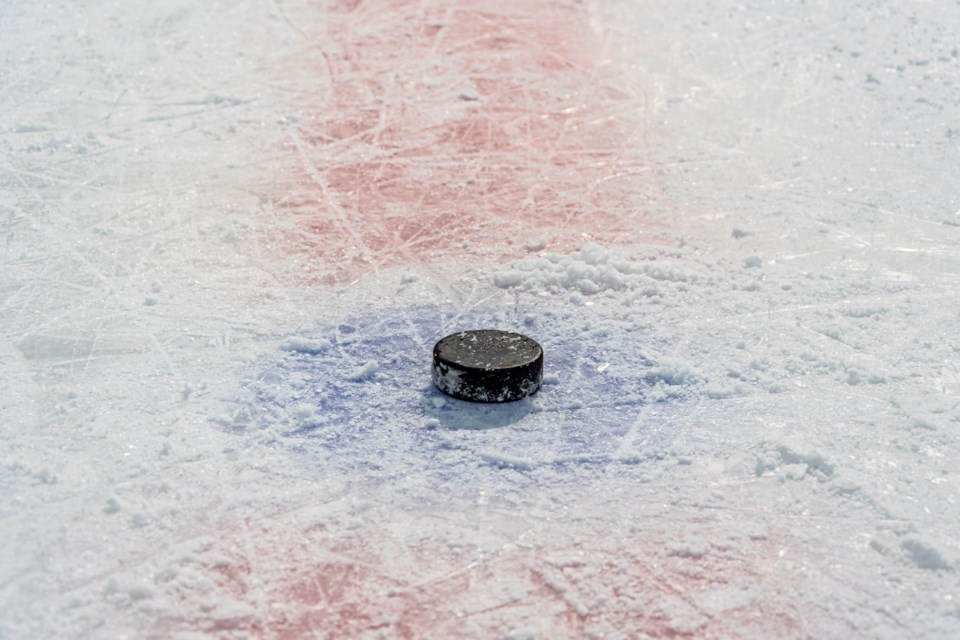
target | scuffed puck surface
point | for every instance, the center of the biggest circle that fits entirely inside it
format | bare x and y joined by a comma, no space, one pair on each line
487,365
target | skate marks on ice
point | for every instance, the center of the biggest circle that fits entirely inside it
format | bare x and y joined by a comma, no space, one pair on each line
358,396
505,567
467,132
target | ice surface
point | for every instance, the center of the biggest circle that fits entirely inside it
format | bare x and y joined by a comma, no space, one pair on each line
454,133
231,233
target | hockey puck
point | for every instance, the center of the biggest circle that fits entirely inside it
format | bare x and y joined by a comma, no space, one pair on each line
487,365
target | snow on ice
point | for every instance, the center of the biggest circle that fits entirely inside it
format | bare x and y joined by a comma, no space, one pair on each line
228,246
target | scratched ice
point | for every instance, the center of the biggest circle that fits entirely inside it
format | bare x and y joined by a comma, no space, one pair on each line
603,400
231,232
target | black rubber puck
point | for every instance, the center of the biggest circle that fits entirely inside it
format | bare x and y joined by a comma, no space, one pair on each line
487,365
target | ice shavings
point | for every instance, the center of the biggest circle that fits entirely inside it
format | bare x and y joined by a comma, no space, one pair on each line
366,371
447,379
506,461
792,464
322,503
590,270
301,344
595,269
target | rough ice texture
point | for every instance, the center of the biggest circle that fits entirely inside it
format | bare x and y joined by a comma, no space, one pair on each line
366,371
302,344
497,124
595,269
784,466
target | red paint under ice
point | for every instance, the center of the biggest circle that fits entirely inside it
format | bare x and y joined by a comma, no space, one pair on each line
472,131
461,131
563,582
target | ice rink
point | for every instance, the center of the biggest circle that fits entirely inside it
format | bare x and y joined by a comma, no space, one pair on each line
231,233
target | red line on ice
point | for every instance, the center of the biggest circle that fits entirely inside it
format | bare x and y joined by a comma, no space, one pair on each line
448,132
461,131
569,580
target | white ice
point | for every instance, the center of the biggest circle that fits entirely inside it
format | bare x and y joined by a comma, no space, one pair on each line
797,453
